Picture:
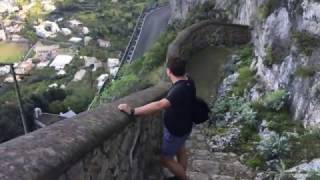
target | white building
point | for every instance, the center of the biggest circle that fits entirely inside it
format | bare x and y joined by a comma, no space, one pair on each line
43,64
114,71
92,61
103,43
101,80
60,61
85,30
75,39
4,70
113,65
18,38
45,52
47,29
74,23
54,85
3,36
66,31
24,67
86,40
48,5
79,75
113,62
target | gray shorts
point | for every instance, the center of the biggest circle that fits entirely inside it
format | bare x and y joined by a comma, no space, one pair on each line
171,144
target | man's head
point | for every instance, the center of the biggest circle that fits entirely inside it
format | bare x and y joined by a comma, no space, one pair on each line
176,67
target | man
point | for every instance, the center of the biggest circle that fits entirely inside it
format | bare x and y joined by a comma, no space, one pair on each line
177,108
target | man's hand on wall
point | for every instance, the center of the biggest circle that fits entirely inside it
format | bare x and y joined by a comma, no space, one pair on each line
125,108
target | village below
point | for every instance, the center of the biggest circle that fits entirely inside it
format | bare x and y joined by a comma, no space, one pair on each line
63,52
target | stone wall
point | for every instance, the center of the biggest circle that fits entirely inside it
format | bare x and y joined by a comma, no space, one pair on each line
101,144
208,33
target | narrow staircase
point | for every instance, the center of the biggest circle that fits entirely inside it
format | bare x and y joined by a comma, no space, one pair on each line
206,165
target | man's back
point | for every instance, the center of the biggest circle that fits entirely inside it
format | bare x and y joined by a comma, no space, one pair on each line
178,117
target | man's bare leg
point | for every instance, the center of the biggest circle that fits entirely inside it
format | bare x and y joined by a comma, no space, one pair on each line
183,157
174,167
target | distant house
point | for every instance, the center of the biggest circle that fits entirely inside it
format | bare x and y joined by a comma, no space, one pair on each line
113,65
4,70
75,39
101,80
45,52
85,30
24,67
48,5
79,75
66,31
103,43
18,38
16,28
47,29
113,62
74,23
92,61
86,40
60,61
3,36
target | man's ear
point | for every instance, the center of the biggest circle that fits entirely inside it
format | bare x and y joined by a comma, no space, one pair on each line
168,72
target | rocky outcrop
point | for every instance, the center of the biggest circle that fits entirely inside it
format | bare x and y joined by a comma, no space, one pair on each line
276,25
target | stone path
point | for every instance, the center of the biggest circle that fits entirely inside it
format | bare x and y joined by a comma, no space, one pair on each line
206,165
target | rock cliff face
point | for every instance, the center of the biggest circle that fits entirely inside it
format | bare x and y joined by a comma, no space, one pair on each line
285,38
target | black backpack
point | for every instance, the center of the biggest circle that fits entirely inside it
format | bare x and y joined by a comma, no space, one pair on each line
201,111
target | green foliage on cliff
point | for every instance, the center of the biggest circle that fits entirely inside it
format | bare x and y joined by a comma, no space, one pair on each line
306,71
246,77
267,8
245,81
306,42
136,76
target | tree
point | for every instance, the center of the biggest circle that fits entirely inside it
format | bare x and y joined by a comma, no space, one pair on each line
56,107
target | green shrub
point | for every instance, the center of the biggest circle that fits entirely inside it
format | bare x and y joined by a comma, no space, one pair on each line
313,175
274,146
306,71
237,107
246,56
119,88
256,161
134,77
245,81
266,9
306,42
305,147
276,100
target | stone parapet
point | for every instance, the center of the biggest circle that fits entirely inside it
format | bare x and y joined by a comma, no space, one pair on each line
99,144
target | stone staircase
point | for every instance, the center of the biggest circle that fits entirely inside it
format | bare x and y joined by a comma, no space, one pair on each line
206,165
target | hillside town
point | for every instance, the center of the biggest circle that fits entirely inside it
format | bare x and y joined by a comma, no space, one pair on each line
64,53
47,51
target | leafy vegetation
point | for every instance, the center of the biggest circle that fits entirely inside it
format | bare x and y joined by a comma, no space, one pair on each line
306,42
313,175
306,71
134,76
246,77
267,8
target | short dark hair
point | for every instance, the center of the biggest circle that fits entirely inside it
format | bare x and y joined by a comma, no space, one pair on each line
177,65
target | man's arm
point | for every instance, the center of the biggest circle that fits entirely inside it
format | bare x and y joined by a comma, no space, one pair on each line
146,109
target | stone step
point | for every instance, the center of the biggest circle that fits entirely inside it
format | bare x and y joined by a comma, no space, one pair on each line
197,176
202,176
234,169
